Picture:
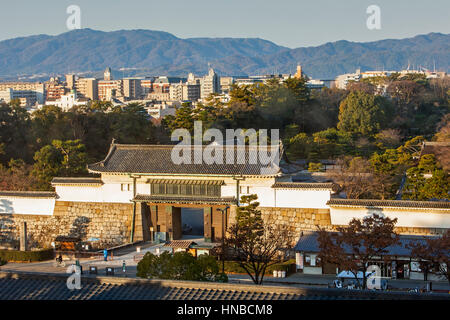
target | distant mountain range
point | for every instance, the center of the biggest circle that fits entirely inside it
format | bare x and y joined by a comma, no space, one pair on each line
146,52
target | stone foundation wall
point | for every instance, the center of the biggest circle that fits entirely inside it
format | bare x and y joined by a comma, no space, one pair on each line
420,231
110,222
300,220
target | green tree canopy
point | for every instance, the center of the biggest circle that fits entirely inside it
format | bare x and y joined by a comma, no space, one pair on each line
363,113
61,158
427,181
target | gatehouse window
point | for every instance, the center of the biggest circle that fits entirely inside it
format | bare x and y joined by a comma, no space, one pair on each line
125,186
185,190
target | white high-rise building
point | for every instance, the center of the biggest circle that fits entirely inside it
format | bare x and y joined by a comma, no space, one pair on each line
209,84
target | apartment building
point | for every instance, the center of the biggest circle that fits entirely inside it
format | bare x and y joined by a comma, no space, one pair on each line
184,92
225,84
108,89
147,86
86,88
54,89
30,93
132,88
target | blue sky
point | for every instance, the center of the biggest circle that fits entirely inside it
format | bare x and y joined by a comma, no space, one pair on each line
292,23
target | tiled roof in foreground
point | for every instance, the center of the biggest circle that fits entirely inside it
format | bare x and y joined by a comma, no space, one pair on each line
157,159
20,286
389,203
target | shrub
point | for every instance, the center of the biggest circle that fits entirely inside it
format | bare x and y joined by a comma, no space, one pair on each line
288,266
179,266
315,167
209,268
16,255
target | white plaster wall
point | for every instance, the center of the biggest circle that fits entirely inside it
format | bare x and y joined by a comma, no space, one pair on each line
228,190
302,198
143,188
79,193
110,192
266,196
34,206
406,218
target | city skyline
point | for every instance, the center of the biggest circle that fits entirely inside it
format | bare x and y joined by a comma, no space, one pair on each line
286,23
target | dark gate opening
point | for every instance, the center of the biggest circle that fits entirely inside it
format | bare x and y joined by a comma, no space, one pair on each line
192,222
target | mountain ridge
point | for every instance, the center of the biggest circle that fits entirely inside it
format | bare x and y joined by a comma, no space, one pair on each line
160,52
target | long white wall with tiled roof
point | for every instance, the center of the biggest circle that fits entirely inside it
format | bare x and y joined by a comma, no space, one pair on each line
407,217
301,198
27,205
108,192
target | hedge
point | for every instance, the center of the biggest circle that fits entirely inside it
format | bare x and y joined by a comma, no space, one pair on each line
288,266
16,255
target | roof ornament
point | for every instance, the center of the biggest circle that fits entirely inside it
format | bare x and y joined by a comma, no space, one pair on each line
111,148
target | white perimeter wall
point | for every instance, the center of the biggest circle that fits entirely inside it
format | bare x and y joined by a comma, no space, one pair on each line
425,218
110,192
21,205
302,198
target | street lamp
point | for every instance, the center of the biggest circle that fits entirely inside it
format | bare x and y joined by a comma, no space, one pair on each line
224,212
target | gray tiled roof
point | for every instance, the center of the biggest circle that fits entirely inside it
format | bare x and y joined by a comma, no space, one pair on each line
180,244
77,181
308,243
389,203
53,287
28,194
156,159
302,185
196,200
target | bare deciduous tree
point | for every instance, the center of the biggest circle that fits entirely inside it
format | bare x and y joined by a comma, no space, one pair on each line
434,252
257,244
354,246
353,176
